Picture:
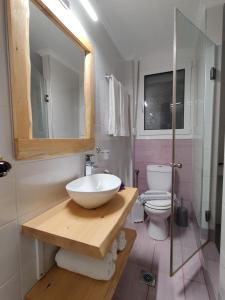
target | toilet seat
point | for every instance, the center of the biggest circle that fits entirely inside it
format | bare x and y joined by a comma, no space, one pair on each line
158,200
160,195
158,204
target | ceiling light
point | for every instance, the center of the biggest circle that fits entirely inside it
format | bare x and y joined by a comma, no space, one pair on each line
89,9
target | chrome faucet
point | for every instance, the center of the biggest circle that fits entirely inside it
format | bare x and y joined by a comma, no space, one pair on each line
89,165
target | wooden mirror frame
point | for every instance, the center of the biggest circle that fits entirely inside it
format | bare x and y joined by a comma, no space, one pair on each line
27,147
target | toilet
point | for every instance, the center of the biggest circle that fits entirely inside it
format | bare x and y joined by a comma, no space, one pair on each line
158,200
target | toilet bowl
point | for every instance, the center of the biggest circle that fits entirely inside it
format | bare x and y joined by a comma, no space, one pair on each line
158,212
157,200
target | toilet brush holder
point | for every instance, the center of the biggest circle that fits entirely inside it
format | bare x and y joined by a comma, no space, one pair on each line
182,215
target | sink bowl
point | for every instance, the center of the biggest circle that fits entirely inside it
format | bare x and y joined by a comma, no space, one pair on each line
94,190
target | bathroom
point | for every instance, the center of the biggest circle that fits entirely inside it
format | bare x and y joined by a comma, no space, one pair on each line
137,44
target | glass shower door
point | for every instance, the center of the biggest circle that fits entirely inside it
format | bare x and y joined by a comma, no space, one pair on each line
192,111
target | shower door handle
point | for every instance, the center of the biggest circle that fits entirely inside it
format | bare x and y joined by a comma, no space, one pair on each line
176,165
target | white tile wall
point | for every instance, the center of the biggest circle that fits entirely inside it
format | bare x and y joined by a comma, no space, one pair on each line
11,289
9,251
7,199
33,186
222,247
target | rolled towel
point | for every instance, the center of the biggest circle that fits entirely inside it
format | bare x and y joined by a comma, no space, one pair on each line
121,240
157,195
114,250
100,269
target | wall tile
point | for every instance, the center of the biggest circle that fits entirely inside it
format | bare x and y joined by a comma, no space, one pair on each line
9,251
149,151
41,185
11,289
28,263
7,199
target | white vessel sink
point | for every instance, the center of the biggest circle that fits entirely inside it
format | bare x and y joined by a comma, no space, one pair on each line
94,190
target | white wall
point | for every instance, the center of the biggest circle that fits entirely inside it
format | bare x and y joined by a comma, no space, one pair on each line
222,246
34,186
159,62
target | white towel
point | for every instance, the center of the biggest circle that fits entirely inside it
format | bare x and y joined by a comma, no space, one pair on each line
114,250
149,195
124,112
121,240
114,107
100,269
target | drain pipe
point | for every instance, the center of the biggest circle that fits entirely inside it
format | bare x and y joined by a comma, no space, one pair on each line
136,172
136,78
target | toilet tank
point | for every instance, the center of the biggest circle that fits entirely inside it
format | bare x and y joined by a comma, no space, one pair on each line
159,177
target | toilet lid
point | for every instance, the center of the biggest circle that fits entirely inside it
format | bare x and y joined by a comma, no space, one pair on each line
158,204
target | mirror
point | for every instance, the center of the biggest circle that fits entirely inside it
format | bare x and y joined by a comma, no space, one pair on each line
57,80
51,73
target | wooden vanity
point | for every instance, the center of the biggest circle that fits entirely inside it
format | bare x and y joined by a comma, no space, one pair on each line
90,232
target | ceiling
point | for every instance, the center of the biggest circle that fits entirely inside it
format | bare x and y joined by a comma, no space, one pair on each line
140,27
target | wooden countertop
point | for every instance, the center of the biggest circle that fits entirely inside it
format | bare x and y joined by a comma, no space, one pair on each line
60,284
90,232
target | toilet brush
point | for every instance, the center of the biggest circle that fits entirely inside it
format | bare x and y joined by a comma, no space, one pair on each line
182,215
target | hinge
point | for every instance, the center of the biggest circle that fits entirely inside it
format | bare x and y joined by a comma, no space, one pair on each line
213,73
207,215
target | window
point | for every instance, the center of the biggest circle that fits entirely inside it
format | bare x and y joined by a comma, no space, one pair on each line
158,90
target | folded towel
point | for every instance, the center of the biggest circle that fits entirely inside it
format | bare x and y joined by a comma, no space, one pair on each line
121,240
147,196
114,107
157,195
124,112
100,269
114,250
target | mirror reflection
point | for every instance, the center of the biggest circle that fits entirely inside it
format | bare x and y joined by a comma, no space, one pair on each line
57,80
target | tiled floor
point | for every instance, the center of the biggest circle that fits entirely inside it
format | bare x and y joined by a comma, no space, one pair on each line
154,256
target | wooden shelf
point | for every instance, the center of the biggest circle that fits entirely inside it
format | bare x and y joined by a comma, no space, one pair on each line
60,284
89,232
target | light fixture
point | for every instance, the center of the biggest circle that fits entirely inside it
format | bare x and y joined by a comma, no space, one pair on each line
146,104
89,9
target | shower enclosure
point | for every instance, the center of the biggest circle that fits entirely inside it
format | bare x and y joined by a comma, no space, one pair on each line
194,53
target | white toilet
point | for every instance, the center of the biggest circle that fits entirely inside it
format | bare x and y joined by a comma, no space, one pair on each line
158,200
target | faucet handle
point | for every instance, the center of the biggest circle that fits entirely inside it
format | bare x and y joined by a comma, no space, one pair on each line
88,157
106,171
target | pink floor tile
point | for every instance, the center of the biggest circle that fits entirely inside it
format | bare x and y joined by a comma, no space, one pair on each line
193,269
213,270
161,259
167,288
148,254
210,252
130,286
195,291
143,249
188,238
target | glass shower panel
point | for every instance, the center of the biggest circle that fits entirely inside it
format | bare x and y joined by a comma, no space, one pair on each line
195,53
39,105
